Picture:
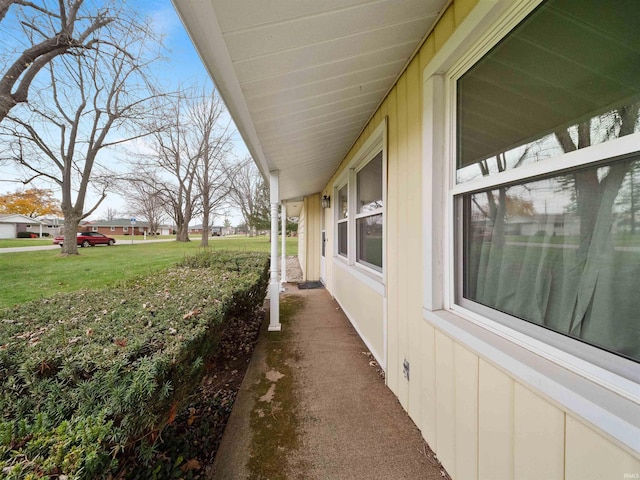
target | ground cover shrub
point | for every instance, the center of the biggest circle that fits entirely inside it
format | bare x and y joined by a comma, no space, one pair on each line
87,375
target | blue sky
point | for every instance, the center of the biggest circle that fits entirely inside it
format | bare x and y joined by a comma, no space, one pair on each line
182,56
181,67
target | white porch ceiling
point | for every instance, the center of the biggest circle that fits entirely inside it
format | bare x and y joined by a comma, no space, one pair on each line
302,77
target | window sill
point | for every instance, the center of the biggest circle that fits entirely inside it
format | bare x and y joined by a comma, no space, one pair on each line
612,413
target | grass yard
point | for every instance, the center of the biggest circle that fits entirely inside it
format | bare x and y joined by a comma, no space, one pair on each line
24,242
28,276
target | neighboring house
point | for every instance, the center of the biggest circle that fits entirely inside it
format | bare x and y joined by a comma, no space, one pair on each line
120,226
550,225
166,230
398,126
12,223
52,226
195,229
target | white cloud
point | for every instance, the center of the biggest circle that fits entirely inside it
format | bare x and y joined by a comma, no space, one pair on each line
164,21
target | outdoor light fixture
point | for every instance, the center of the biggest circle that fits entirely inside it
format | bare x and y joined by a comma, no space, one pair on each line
326,201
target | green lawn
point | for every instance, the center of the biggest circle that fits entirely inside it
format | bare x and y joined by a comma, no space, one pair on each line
24,242
31,275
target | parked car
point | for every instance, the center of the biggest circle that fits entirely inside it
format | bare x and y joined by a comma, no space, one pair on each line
87,239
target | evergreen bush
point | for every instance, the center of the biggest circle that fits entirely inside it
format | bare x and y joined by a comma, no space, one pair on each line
87,375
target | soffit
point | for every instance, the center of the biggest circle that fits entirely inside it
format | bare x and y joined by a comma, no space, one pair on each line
302,77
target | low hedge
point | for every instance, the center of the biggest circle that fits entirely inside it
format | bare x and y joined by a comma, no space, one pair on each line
87,375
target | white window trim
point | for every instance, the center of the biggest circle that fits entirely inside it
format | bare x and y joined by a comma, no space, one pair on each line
338,220
605,399
125,229
113,229
378,211
376,143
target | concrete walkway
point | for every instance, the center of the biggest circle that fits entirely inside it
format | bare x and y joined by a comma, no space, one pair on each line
312,407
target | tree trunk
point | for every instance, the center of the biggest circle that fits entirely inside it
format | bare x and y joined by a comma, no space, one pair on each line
182,233
70,244
204,242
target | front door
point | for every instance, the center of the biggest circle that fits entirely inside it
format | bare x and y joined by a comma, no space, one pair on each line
323,264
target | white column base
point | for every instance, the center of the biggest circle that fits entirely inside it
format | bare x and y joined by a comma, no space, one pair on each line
274,308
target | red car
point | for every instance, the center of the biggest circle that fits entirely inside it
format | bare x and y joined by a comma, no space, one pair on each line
87,239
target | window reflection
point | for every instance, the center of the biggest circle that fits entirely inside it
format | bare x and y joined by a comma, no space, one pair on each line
342,238
343,203
564,79
562,252
600,129
369,235
369,183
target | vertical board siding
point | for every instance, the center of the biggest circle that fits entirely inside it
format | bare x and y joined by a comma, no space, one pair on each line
495,423
539,428
466,389
363,306
461,9
312,235
444,28
302,239
393,367
445,402
589,456
413,202
400,255
427,372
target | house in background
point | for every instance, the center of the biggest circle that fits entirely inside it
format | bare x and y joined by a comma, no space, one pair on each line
216,231
195,229
396,125
122,226
12,223
52,226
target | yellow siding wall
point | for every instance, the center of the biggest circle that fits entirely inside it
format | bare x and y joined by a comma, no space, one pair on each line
313,210
364,307
482,423
302,240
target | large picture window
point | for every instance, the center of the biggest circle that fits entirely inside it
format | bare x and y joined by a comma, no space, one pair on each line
359,213
557,245
343,220
369,217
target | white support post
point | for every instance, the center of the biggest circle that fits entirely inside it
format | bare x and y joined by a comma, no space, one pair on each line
283,248
274,286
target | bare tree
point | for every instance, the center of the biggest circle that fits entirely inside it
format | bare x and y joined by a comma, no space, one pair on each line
175,160
212,170
111,214
45,30
189,170
146,200
590,187
250,194
92,102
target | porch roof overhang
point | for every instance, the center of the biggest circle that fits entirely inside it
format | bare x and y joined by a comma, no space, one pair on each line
301,78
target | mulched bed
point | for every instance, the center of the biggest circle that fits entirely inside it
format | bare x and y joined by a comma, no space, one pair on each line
188,446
